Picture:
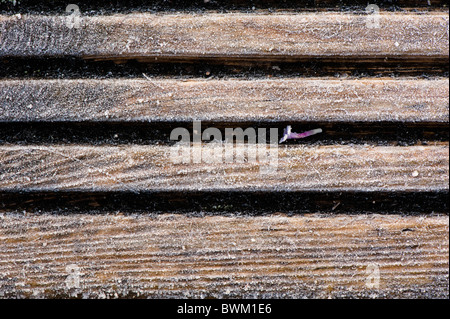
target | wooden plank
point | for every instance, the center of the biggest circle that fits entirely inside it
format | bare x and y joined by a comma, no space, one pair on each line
110,256
287,37
112,168
294,99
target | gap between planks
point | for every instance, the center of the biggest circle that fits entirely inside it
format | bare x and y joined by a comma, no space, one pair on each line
254,6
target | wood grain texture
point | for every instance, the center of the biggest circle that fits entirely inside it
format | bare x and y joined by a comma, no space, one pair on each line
240,36
124,251
110,256
102,168
301,99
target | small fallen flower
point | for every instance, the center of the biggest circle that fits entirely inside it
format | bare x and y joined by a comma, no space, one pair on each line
289,135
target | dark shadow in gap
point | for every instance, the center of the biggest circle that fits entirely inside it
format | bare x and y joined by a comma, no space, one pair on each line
250,203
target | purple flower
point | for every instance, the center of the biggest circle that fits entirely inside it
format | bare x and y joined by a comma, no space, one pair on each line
289,135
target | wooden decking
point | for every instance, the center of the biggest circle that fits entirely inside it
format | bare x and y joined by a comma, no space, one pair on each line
223,257
93,204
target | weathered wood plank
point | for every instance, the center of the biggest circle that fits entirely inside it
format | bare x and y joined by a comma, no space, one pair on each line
311,99
289,37
98,256
108,168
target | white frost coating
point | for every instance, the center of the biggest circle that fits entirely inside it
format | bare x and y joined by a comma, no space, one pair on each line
318,34
288,99
177,256
301,168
